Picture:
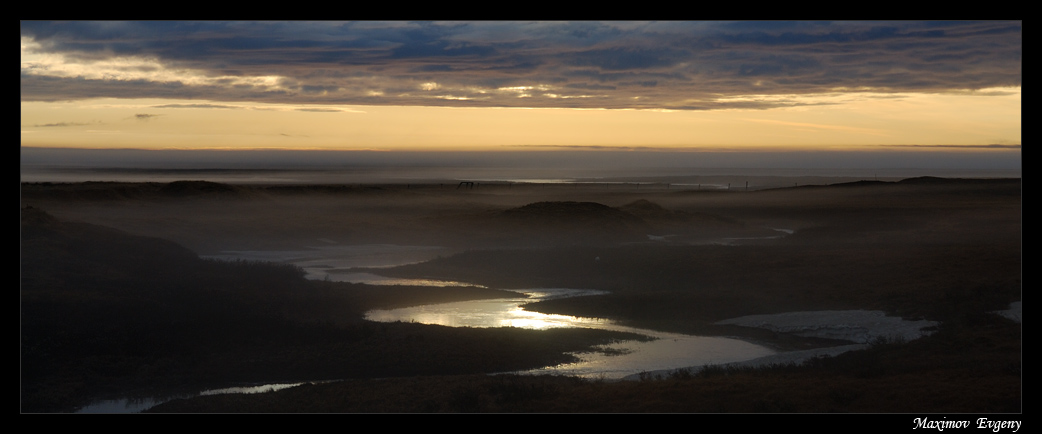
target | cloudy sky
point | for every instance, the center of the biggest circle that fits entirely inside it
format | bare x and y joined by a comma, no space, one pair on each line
499,85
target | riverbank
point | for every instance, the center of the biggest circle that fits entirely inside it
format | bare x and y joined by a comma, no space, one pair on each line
922,249
863,328
953,371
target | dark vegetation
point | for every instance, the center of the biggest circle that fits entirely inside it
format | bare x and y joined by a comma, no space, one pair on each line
570,222
929,375
105,312
686,288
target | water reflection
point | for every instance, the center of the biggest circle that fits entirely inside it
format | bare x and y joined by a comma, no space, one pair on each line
616,360
376,279
492,313
122,405
136,405
669,351
336,262
264,388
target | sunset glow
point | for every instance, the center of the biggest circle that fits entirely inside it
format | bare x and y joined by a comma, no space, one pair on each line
506,86
835,122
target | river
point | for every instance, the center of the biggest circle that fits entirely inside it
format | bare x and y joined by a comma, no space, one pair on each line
613,361
337,263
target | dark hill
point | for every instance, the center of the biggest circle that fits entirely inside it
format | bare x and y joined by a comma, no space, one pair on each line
99,305
862,183
573,222
66,252
929,180
116,191
574,214
937,180
678,222
646,208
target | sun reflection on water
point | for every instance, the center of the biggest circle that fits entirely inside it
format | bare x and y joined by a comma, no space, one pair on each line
615,360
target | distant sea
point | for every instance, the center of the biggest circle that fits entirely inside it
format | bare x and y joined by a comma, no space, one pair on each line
751,178
357,167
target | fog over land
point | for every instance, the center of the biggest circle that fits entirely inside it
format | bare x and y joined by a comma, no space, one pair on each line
537,217
259,166
115,268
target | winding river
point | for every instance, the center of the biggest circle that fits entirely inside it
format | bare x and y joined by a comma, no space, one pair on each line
613,361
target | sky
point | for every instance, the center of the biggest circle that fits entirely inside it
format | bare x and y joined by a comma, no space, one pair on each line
892,88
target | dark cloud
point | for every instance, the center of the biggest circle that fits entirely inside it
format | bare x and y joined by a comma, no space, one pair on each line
667,64
319,110
602,147
191,106
616,59
429,50
589,86
65,124
991,146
